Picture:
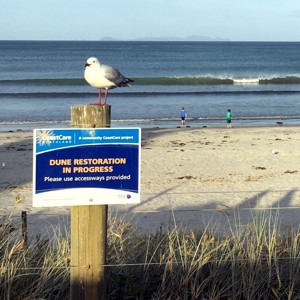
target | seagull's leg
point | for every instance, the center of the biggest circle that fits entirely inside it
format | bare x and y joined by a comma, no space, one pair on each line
106,93
99,96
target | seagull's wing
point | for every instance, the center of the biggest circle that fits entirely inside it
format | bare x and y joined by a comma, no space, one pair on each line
115,76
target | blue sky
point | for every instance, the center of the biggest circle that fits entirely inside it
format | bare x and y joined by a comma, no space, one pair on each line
236,20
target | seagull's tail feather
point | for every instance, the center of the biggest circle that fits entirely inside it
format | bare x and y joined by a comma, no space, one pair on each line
126,82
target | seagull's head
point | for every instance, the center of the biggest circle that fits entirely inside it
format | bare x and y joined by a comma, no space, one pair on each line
92,61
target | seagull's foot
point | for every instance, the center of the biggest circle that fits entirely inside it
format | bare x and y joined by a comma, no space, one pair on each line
99,104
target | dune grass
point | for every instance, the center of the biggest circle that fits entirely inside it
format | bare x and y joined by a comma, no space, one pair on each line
257,261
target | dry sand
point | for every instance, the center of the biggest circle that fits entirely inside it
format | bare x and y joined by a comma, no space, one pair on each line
213,177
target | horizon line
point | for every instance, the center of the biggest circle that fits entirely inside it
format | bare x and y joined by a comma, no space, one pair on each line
149,40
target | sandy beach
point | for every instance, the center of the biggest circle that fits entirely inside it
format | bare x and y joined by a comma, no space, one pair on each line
211,177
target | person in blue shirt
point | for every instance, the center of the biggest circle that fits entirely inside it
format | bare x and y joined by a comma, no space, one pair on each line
228,118
183,116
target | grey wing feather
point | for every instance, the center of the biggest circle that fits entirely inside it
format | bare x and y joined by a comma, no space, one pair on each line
115,76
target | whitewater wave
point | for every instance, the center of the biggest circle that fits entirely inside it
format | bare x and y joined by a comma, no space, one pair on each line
246,81
172,80
78,95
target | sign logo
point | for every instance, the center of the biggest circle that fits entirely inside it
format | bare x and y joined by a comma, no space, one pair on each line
46,137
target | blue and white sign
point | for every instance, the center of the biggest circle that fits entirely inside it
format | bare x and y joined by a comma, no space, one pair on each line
86,166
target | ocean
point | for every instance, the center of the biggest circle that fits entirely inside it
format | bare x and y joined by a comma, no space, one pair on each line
258,81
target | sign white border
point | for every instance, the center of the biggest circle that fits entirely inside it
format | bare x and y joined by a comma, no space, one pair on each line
43,142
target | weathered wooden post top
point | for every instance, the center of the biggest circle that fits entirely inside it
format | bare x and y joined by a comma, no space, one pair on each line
90,116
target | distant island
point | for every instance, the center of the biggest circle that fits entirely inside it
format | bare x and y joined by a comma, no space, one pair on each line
192,38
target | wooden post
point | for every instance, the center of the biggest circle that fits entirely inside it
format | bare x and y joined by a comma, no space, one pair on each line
90,116
88,223
24,227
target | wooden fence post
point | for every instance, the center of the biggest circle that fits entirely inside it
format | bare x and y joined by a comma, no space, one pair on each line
88,223
24,227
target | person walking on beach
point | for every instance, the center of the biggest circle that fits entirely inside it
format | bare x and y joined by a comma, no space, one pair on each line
228,118
183,116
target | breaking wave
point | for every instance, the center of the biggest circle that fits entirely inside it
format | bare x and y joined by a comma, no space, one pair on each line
78,95
172,80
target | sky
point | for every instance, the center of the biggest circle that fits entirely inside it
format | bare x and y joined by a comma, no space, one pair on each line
235,20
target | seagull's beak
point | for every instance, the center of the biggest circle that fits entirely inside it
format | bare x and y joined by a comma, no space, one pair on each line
86,65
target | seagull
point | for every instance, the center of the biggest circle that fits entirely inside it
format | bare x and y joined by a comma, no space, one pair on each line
103,77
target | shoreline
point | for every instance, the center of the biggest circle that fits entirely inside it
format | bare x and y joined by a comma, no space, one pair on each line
164,124
197,175
160,127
